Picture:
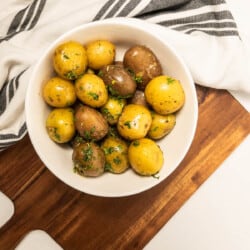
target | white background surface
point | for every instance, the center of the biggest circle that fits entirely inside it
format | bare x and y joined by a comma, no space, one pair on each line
217,216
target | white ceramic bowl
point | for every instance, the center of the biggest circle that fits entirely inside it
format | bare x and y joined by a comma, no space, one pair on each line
124,33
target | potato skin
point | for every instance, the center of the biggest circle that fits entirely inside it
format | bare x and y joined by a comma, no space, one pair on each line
91,90
88,159
165,94
134,122
70,60
59,93
90,123
100,53
161,125
119,81
145,156
139,98
113,109
60,125
143,64
116,154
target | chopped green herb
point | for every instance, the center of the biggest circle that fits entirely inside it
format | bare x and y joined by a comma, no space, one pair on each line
127,123
112,91
131,72
94,95
156,176
87,153
108,167
107,114
136,143
57,136
100,73
109,150
170,80
155,128
112,132
70,75
65,56
88,133
117,160
105,111
138,79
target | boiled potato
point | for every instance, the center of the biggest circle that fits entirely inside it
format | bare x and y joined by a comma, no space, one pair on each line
134,122
70,60
100,53
60,125
88,159
139,98
90,123
58,92
161,125
143,64
113,109
119,81
116,154
91,90
165,94
145,156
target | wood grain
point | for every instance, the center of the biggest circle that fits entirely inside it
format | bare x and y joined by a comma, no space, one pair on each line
80,221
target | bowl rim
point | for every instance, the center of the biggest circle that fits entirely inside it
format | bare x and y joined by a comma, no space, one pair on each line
128,22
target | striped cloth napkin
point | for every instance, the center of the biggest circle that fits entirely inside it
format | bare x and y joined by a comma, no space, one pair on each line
202,31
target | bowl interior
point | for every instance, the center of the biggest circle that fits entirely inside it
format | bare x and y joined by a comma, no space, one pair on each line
58,158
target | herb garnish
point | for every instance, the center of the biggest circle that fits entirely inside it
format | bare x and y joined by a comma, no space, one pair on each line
70,75
109,150
136,143
170,80
87,153
108,167
127,123
94,95
117,160
65,56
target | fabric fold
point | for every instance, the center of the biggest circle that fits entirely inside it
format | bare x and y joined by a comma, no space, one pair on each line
203,33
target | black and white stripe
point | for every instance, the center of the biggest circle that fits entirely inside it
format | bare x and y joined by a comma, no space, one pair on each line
6,94
118,8
25,19
9,139
210,17
8,91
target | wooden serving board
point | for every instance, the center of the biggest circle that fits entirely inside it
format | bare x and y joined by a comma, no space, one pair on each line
80,221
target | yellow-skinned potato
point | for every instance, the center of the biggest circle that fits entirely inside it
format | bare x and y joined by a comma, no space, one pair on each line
116,154
60,125
145,156
161,125
134,122
113,109
59,93
70,60
165,94
100,53
91,90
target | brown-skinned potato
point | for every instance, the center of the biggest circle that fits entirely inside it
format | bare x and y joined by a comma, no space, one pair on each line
88,159
120,83
143,64
90,123
139,98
